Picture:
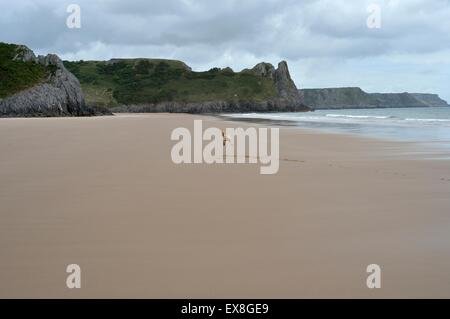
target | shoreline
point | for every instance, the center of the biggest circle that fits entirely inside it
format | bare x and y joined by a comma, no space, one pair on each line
425,150
103,192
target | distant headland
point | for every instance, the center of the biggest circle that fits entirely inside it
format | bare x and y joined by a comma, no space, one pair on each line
355,97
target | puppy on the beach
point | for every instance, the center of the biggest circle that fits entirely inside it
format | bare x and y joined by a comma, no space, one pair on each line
225,138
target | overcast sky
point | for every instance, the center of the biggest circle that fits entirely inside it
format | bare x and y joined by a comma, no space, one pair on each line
327,43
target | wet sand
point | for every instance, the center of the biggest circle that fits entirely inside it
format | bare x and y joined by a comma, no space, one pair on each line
104,193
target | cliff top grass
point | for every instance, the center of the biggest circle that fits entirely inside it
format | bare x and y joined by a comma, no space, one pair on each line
18,75
144,81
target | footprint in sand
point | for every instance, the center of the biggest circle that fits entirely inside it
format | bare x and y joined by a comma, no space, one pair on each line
291,160
281,159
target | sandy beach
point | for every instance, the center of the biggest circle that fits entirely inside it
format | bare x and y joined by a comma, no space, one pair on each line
103,193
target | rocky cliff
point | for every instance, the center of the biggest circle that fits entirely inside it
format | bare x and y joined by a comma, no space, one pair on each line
156,85
354,97
285,86
430,99
337,98
286,99
57,93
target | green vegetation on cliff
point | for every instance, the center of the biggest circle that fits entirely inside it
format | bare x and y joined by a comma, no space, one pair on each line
143,81
16,75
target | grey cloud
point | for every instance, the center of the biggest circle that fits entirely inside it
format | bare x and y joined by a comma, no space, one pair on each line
206,32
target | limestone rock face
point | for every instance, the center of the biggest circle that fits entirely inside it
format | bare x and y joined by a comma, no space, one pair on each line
59,95
264,69
25,54
430,99
285,86
287,92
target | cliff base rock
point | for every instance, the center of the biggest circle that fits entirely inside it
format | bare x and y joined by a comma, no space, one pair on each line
59,95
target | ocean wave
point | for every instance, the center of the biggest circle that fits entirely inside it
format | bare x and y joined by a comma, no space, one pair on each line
359,116
276,117
428,120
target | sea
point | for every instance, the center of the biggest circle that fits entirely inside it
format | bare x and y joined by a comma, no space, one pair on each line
430,125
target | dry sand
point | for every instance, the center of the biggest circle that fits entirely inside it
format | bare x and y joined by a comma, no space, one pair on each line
103,193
